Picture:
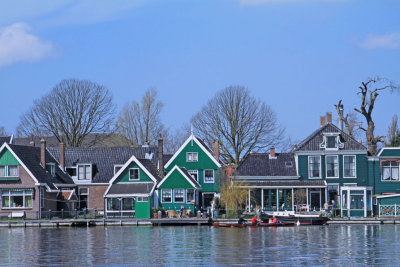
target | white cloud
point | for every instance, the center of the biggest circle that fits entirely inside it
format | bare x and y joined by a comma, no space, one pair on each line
262,2
17,44
386,41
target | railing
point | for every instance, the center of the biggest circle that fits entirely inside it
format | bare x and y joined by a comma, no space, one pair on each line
389,210
120,214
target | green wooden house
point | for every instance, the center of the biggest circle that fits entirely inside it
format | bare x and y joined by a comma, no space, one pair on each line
131,190
331,155
202,164
177,189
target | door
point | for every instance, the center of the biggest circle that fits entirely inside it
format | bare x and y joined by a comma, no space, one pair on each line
315,203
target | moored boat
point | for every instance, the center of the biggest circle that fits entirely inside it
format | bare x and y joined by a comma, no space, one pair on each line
302,219
240,225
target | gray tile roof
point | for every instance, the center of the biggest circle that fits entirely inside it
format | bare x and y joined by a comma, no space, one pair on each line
30,156
151,168
290,183
5,139
104,158
130,189
259,164
312,142
190,177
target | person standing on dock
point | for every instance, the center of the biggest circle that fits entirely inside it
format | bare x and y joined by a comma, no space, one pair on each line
333,207
182,209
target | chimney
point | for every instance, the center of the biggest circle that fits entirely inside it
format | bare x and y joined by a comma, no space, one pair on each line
160,156
228,173
32,142
43,152
322,120
328,117
216,149
340,122
272,153
62,156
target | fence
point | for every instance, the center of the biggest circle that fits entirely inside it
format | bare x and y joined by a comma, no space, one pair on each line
389,210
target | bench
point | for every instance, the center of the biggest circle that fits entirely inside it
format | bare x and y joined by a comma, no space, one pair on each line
17,214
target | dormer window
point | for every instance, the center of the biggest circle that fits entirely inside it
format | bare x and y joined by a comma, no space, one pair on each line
51,168
192,156
117,168
331,141
84,171
9,171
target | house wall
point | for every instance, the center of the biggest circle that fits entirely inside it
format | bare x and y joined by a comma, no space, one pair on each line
204,163
96,195
389,201
124,176
143,209
375,171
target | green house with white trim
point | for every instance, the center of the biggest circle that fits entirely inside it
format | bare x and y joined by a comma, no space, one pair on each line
202,164
131,190
177,189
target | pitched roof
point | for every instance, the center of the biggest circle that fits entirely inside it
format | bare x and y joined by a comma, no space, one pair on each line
151,168
185,174
189,177
30,156
130,188
292,183
104,158
5,139
260,164
313,141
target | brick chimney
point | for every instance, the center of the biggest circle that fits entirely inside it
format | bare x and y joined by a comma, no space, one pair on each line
62,156
322,120
43,152
32,142
216,149
272,153
328,117
160,155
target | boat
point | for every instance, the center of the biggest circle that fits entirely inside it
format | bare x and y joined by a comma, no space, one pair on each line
241,225
299,218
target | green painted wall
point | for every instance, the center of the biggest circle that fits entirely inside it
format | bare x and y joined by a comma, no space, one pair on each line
176,180
204,163
390,153
6,158
389,201
124,176
143,209
379,185
361,170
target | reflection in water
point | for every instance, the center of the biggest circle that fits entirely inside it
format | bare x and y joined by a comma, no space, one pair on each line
179,246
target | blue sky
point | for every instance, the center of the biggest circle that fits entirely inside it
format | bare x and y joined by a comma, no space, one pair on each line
299,56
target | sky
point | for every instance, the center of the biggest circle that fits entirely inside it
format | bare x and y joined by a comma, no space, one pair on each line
298,56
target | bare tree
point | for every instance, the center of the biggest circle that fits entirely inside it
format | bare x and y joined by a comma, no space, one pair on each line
239,122
72,110
350,121
392,130
174,139
369,91
141,122
3,131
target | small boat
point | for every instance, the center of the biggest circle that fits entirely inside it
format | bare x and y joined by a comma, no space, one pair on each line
241,225
300,219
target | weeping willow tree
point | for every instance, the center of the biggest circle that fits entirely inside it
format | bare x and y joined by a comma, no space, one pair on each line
233,196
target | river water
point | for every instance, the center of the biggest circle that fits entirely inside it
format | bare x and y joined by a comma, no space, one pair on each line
202,245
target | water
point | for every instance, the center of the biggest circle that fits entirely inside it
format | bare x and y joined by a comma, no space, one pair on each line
201,245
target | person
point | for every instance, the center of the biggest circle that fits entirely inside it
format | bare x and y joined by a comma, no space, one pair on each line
241,221
254,220
334,207
182,209
274,220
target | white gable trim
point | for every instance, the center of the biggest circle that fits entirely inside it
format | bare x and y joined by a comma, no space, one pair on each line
387,148
388,196
181,172
5,145
192,138
132,159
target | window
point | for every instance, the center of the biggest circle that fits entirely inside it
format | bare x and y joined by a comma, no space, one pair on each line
349,166
117,168
288,164
51,168
113,204
71,171
314,167
134,174
357,200
332,168
9,171
191,156
390,171
179,195
128,203
142,199
194,174
17,198
189,195
85,172
209,176
166,195
330,141
83,198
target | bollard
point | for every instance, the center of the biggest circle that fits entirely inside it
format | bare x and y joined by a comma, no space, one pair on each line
159,214
198,214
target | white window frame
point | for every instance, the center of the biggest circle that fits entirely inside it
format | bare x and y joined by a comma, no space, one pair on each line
76,171
142,199
117,166
192,154
204,176
84,166
194,195
23,198
162,197
183,200
134,179
355,167
52,168
308,167
197,174
390,180
326,167
7,172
